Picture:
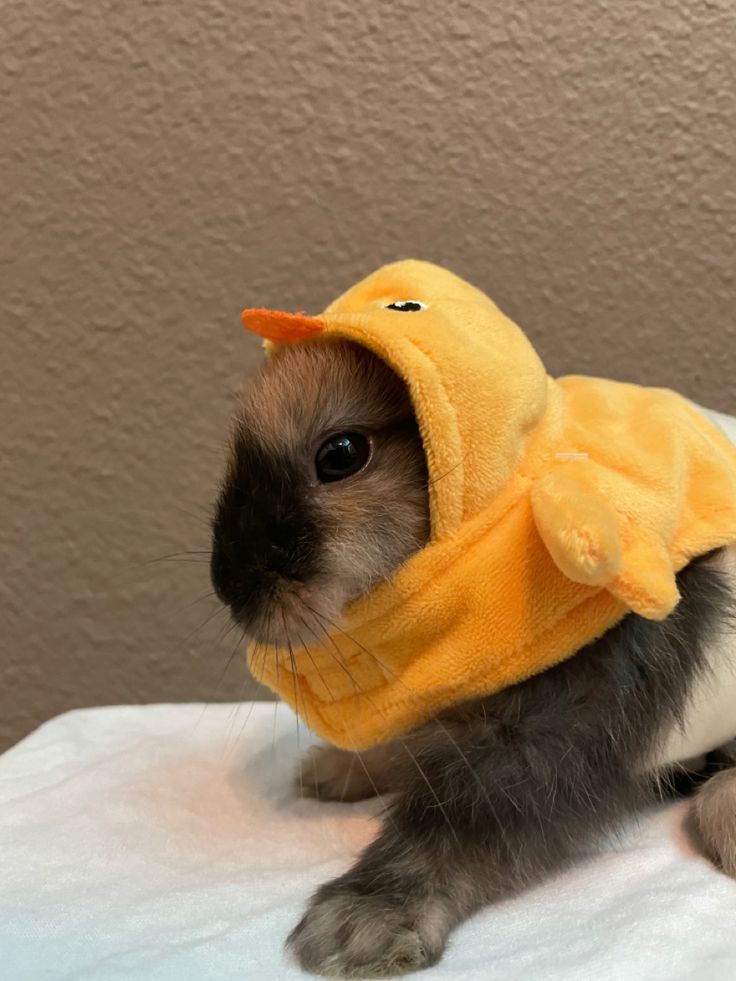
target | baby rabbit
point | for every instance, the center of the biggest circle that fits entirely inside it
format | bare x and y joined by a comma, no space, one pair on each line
326,495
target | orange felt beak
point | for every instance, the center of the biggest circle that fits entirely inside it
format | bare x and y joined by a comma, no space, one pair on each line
280,327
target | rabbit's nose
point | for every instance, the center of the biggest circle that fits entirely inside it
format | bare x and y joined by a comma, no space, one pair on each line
280,327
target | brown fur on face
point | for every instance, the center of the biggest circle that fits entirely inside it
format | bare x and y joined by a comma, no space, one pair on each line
289,552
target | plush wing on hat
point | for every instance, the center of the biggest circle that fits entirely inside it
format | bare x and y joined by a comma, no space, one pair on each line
587,537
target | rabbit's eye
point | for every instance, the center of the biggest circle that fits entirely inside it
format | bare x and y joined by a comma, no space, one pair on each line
341,456
407,306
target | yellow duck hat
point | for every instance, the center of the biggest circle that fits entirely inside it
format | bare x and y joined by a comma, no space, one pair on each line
557,507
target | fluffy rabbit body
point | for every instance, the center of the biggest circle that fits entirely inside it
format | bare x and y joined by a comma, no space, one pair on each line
325,496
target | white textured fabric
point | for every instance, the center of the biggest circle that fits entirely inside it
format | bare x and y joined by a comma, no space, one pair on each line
163,842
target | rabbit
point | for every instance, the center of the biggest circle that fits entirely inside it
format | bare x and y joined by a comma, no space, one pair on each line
325,495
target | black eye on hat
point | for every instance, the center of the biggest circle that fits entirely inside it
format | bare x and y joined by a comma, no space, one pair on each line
407,306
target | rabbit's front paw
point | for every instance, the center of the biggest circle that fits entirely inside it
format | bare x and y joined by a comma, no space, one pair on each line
347,935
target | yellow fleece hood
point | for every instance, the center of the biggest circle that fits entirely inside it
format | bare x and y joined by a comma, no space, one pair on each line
557,506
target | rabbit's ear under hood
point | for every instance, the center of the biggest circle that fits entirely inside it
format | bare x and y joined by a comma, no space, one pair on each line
478,387
557,507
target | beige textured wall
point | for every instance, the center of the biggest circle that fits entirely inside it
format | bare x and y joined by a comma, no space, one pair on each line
164,164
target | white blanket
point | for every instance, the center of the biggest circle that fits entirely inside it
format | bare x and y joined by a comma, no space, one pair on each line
164,842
